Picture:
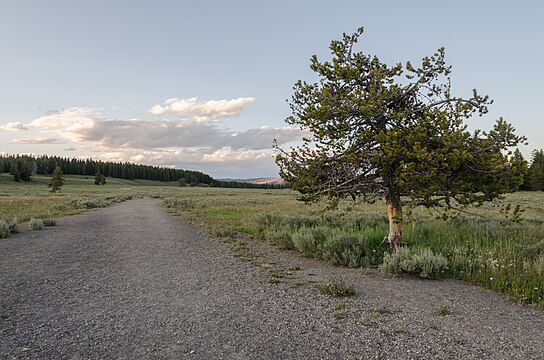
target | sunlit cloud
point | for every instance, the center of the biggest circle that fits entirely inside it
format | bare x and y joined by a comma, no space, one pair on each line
194,140
14,126
81,125
67,123
202,111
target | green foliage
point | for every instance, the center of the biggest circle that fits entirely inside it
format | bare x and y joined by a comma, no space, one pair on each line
281,238
520,166
14,170
99,179
13,225
442,310
36,224
536,171
57,181
395,132
334,237
336,288
422,262
22,168
308,240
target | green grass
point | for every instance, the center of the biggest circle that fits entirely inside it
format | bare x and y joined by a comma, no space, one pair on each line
336,288
34,200
442,310
506,257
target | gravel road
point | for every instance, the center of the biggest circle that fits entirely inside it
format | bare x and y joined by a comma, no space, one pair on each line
133,282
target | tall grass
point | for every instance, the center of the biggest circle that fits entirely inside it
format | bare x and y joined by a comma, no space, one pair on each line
503,256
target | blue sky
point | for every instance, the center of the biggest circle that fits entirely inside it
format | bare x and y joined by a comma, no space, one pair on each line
202,85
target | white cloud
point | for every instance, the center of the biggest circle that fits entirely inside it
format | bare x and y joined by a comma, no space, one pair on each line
37,140
202,111
83,125
68,123
14,126
188,143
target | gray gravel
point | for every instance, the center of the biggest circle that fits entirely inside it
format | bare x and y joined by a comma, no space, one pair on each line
132,282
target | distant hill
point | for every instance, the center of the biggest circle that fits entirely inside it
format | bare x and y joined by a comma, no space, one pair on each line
258,181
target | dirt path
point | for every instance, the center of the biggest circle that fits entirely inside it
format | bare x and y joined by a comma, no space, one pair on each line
130,281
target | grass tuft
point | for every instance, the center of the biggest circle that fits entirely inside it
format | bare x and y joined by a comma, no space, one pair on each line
442,310
336,288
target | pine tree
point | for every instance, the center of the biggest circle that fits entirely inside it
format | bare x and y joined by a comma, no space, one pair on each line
536,171
56,181
395,132
99,178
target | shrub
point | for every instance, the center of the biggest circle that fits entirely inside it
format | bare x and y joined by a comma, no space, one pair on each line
307,240
344,250
421,262
35,224
276,219
89,204
13,226
49,222
281,238
4,229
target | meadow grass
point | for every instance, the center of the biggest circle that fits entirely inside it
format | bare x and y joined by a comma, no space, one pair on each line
505,256
485,248
34,200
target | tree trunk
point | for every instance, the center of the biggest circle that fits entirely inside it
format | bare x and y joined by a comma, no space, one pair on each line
394,213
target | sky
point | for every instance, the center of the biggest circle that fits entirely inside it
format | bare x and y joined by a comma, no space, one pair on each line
202,85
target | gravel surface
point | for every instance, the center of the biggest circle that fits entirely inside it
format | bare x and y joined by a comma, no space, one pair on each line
133,282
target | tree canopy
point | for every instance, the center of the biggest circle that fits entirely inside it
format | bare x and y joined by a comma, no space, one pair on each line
395,132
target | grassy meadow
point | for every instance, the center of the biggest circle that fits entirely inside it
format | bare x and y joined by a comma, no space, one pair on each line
504,256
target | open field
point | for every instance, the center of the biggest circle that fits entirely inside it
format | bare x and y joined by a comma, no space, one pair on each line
507,257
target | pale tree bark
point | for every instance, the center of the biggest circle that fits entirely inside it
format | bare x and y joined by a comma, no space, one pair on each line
394,213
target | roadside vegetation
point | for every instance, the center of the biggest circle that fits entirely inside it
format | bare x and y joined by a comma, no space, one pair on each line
486,249
502,255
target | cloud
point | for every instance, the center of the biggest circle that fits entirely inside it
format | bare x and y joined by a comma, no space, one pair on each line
227,154
263,138
83,125
14,126
68,123
188,143
37,140
204,111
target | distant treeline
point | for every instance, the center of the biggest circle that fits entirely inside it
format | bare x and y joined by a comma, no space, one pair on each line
23,167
